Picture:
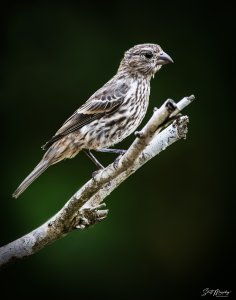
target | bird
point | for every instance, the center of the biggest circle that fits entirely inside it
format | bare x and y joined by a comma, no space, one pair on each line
111,114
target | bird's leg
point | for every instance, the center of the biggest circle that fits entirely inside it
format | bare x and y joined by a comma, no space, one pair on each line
93,158
116,151
111,150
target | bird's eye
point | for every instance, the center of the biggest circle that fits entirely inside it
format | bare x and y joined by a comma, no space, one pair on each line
148,55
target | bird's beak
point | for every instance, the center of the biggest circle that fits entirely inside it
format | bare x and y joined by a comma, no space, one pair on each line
164,58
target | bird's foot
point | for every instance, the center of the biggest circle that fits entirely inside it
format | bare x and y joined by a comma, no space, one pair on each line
95,173
90,216
116,161
170,105
139,134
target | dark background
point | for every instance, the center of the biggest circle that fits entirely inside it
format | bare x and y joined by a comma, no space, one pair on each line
169,230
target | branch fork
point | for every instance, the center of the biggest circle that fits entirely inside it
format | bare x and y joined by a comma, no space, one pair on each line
86,208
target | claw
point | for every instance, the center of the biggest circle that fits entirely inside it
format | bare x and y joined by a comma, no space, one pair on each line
139,134
171,105
116,162
95,173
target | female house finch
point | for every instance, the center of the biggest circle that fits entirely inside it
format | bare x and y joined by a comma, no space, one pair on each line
111,114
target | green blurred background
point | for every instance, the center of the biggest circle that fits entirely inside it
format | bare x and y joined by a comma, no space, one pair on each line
169,229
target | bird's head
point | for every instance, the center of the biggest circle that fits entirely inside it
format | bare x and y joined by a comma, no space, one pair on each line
144,59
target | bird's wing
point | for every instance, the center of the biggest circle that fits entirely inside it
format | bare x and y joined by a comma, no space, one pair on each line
97,106
87,113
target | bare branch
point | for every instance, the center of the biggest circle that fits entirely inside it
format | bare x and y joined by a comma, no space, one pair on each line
84,208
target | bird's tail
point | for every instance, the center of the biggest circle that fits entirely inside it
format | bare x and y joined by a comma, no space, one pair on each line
38,170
